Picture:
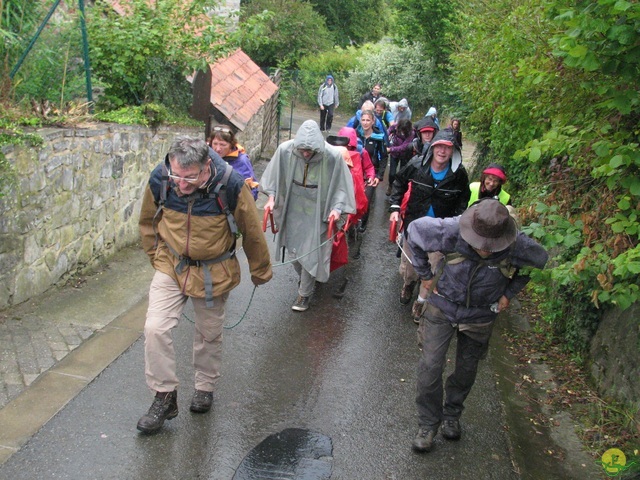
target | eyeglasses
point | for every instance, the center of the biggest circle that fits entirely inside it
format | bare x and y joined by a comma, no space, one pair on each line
222,129
195,179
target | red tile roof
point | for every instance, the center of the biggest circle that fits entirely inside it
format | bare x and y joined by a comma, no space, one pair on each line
239,88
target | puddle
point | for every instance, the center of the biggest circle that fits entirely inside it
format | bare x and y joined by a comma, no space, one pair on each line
293,453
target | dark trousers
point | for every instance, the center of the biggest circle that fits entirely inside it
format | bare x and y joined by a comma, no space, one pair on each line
436,333
368,191
326,117
393,168
395,165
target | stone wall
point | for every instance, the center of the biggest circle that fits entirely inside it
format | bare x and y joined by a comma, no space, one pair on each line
76,202
615,356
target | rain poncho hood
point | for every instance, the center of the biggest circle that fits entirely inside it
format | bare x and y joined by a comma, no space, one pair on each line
456,158
305,192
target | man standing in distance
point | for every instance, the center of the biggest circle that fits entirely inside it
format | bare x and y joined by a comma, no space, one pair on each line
328,101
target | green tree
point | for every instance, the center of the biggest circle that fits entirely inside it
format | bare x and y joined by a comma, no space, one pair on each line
354,21
280,32
433,23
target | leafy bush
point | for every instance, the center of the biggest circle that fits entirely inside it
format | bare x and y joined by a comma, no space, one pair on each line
122,46
403,70
277,34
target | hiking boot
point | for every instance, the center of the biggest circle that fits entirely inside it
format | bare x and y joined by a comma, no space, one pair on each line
416,311
407,293
301,304
423,442
201,401
451,429
164,407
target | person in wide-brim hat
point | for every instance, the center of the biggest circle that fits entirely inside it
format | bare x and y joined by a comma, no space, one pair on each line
484,266
488,226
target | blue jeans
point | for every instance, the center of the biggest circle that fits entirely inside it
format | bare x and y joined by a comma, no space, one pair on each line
436,333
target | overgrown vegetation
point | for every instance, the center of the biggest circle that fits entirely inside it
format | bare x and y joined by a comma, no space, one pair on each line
144,56
149,114
552,91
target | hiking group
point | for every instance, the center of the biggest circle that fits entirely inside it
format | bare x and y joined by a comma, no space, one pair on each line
461,252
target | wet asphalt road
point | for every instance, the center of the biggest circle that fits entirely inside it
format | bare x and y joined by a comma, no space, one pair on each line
344,369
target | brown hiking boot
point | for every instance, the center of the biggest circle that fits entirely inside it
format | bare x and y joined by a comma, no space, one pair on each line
164,407
407,293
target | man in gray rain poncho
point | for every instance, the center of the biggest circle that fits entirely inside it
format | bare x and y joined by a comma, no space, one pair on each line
308,183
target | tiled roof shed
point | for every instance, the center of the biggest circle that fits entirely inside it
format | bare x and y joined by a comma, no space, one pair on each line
234,86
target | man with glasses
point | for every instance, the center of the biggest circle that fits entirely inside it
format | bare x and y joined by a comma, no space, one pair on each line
308,184
193,209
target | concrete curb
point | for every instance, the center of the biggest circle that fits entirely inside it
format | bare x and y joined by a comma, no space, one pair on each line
59,385
108,306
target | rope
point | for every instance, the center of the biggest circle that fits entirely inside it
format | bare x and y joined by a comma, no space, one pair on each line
399,243
229,327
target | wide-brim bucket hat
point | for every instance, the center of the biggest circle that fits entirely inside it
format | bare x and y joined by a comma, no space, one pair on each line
487,226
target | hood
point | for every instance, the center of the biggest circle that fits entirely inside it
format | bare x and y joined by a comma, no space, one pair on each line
403,103
329,77
456,158
432,111
351,134
425,122
309,137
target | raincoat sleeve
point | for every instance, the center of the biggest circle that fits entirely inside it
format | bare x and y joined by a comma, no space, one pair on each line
463,200
527,253
145,223
428,234
253,240
367,167
273,177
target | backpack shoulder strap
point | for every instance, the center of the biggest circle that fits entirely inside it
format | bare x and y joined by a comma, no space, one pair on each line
220,192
